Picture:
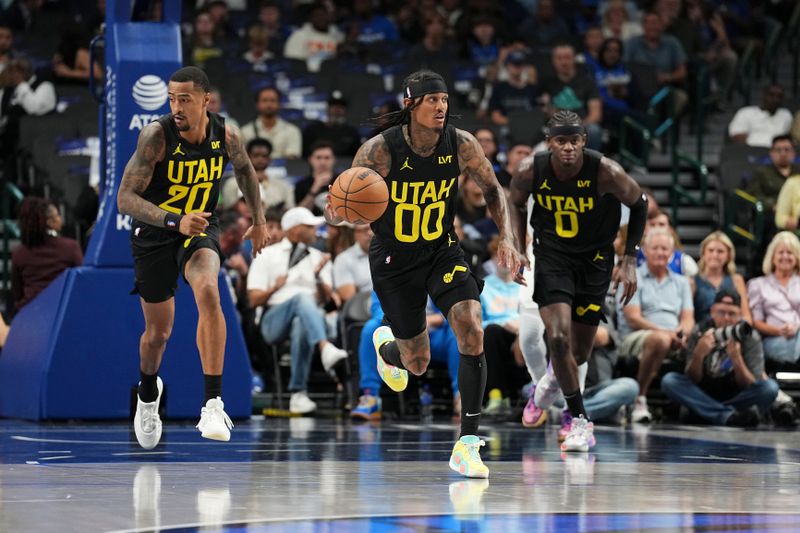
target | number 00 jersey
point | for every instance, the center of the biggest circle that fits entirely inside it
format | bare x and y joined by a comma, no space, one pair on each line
569,216
422,192
188,179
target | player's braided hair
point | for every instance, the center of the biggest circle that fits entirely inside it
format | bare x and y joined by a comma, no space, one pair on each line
564,117
33,221
396,118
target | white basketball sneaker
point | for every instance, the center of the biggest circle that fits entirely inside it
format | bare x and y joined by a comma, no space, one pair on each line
147,422
214,422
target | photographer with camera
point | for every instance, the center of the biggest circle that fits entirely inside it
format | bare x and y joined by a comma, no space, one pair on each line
720,383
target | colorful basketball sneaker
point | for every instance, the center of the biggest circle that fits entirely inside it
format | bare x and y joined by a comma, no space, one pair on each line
466,457
368,408
533,416
580,437
395,378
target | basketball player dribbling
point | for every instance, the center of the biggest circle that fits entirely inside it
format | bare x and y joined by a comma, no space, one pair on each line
170,188
415,250
577,194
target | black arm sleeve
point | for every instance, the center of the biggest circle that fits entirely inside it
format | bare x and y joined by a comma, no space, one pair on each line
636,224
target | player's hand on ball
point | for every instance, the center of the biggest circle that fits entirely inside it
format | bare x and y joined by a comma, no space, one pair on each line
330,216
625,273
193,224
259,236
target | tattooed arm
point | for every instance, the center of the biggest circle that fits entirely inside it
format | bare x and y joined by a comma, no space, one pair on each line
244,172
137,175
474,165
373,154
248,184
521,186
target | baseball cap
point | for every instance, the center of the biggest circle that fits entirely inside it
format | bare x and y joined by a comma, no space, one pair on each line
297,216
727,296
516,58
337,98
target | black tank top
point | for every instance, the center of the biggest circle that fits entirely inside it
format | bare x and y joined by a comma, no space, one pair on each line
569,216
422,192
188,179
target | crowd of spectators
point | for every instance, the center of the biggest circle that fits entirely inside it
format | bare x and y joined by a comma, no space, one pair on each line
603,60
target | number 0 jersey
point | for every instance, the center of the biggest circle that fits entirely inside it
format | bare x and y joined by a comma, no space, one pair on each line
422,192
188,179
569,216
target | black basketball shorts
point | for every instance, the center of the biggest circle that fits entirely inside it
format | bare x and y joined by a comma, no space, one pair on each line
403,279
581,281
159,256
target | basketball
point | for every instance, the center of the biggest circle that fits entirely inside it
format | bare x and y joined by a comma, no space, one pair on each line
359,195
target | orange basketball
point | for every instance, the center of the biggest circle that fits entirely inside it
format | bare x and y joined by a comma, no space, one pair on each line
359,195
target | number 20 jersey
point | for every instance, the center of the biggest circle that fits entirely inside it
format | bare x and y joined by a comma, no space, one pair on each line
422,192
189,177
569,216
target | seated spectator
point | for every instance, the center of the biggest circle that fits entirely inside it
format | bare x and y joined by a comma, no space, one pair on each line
203,44
216,105
767,180
335,130
22,92
274,191
679,262
471,209
544,28
517,151
316,40
592,41
292,281
367,27
43,254
487,138
434,49
443,346
504,362
336,240
617,22
604,394
715,47
663,53
482,45
223,29
722,382
759,125
658,318
312,191
351,272
286,139
574,90
24,16
269,17
71,61
717,272
612,80
787,208
775,299
518,93
258,52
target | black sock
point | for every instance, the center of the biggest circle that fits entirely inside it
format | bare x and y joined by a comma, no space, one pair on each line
471,384
391,354
213,386
575,404
148,387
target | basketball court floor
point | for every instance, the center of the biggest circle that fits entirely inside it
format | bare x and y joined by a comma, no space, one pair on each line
303,474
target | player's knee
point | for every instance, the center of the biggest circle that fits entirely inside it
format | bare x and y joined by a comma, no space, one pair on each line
471,340
156,338
206,293
559,343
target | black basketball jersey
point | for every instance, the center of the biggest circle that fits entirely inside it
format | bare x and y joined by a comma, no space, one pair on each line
188,179
569,216
422,192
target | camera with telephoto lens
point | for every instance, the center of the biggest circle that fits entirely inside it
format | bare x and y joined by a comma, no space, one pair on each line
739,332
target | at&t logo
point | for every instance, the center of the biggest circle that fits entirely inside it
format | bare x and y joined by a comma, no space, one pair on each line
149,92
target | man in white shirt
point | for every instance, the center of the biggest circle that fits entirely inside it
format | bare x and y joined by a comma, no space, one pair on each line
758,125
316,40
286,138
275,192
291,279
351,267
